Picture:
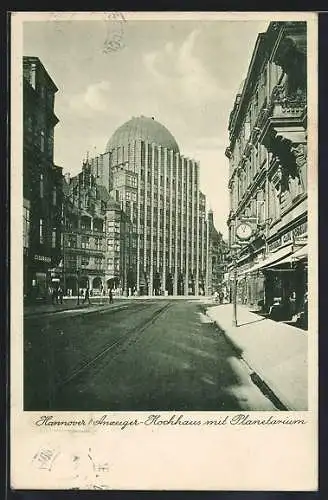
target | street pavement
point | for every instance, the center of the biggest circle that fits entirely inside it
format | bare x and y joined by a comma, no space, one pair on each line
139,355
276,352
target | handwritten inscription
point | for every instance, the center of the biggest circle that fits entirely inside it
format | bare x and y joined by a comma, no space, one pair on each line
158,420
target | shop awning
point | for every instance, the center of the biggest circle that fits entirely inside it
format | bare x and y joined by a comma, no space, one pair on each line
272,260
299,254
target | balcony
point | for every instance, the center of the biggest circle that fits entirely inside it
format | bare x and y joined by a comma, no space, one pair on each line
291,106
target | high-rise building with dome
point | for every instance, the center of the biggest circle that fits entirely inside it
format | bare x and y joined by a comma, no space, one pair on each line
158,189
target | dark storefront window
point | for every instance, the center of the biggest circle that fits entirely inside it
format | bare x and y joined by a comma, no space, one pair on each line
41,231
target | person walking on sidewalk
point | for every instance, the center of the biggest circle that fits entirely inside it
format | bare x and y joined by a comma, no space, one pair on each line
60,294
110,293
87,296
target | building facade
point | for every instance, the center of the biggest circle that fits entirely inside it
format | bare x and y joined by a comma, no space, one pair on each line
268,170
42,181
96,244
159,193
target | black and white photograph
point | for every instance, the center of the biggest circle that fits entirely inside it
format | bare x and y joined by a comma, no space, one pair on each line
164,252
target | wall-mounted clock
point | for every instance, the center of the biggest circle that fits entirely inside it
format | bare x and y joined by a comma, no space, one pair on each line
244,231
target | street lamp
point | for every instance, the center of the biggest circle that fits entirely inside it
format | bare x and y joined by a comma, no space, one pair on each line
234,247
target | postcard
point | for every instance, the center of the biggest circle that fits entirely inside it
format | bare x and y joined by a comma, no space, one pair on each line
164,328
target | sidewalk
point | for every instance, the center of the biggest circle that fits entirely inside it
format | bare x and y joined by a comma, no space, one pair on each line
69,304
275,351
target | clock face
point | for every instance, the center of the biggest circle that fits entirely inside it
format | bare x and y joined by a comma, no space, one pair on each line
244,231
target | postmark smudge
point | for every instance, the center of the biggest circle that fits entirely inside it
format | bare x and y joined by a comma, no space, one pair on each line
115,32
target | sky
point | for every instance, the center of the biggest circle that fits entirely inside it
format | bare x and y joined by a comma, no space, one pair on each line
185,74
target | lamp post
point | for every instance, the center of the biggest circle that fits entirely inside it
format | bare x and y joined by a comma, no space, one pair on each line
234,247
234,318
78,285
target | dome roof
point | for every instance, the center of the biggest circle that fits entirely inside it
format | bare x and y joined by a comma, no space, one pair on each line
144,128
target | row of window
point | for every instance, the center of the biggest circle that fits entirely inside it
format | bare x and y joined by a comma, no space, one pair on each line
127,195
43,191
42,138
72,260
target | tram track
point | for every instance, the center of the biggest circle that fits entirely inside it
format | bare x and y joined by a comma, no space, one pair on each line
116,348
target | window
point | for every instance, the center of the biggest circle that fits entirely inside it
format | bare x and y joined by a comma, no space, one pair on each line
71,262
41,186
42,140
54,196
85,260
53,238
85,242
134,196
26,227
50,143
128,195
29,124
72,242
50,98
32,76
41,231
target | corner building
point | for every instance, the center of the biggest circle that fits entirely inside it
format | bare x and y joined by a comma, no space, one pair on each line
42,182
159,192
268,169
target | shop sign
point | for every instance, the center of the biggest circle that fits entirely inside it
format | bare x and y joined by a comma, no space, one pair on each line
274,245
293,235
300,230
287,237
42,258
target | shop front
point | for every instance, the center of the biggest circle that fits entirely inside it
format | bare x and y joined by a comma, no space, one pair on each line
281,277
38,278
287,284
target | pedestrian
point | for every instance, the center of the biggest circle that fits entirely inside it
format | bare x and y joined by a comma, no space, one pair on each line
87,296
54,298
292,305
221,297
110,293
60,294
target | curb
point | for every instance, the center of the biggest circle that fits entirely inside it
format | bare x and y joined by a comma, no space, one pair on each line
256,378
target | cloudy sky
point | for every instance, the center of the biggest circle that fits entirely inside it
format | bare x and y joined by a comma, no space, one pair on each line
183,73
